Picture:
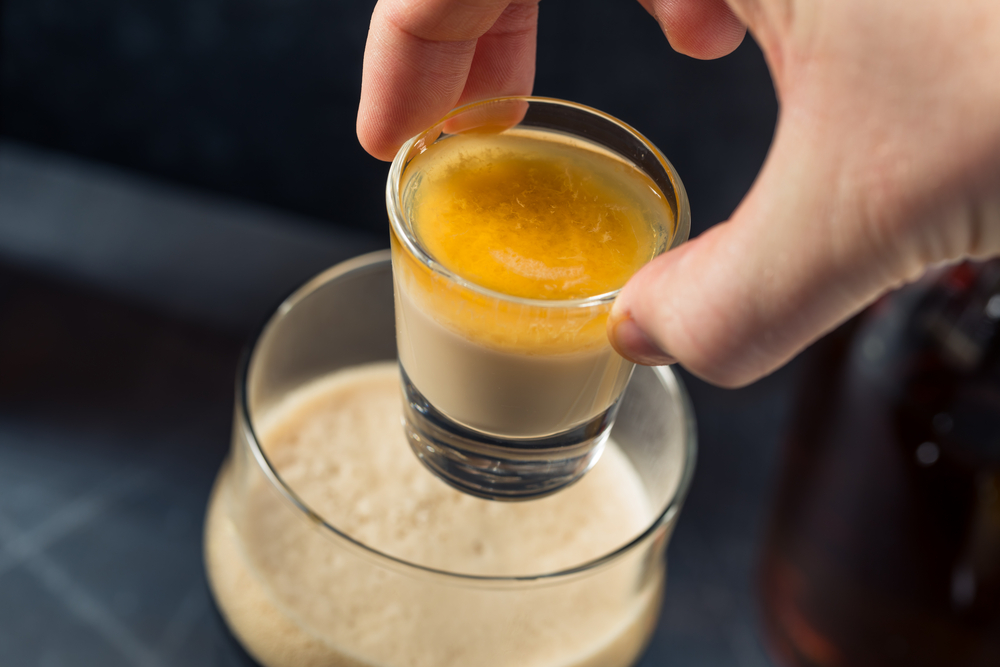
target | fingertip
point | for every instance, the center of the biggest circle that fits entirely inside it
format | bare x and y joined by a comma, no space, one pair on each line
374,142
702,29
377,143
407,84
631,342
376,136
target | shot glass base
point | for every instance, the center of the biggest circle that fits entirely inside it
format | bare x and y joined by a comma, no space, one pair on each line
496,468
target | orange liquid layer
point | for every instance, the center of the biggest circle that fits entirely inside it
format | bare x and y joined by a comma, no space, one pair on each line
537,218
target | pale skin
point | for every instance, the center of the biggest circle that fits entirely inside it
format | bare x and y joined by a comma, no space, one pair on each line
886,158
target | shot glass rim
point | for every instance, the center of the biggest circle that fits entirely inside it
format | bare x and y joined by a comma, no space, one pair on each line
668,380
682,222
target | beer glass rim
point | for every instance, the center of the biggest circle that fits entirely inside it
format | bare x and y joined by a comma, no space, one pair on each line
376,260
402,230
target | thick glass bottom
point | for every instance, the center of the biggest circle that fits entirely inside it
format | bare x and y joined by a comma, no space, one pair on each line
495,468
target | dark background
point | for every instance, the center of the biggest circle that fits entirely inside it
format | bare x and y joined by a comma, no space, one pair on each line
257,98
169,169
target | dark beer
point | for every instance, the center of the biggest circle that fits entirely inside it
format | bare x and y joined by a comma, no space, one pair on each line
884,545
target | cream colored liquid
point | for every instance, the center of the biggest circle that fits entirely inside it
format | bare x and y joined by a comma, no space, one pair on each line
295,597
501,391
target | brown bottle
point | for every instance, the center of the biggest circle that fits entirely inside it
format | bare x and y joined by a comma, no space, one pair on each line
884,545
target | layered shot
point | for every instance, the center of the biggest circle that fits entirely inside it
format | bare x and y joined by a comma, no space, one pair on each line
515,222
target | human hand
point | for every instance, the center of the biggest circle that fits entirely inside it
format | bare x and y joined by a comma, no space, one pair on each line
886,158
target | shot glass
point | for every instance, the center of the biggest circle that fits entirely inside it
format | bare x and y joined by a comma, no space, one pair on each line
511,398
297,587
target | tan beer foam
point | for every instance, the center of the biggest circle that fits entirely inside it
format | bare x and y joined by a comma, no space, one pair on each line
294,599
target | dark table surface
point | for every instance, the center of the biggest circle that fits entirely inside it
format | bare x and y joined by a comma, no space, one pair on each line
116,384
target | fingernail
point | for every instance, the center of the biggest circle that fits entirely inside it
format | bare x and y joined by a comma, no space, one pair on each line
632,343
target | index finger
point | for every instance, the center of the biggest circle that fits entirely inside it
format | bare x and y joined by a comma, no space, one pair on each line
423,58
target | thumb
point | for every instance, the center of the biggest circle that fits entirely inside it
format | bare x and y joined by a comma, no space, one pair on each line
795,259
